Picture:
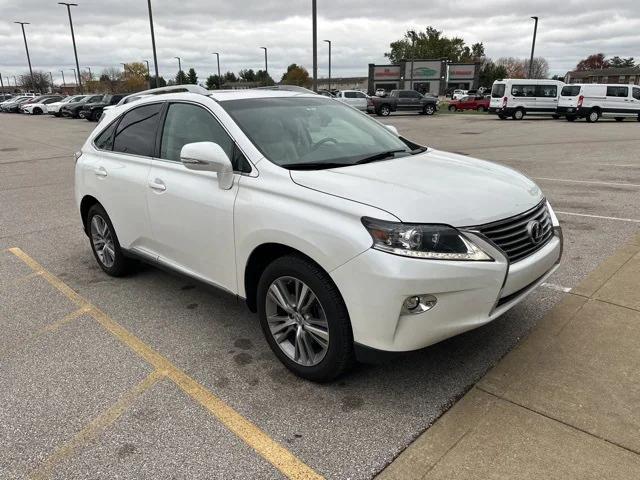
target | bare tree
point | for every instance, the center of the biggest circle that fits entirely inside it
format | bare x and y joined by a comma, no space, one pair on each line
41,81
519,68
540,68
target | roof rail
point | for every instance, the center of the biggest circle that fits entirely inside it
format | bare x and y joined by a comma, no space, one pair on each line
287,88
175,89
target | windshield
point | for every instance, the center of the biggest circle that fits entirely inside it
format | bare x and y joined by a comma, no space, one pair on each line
497,90
295,131
570,91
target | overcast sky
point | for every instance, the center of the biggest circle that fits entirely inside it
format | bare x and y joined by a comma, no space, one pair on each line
109,32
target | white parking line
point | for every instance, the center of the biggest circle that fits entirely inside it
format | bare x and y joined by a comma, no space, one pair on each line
592,182
558,288
632,220
620,164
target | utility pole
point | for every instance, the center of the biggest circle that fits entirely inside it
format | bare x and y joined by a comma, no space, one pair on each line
266,68
179,70
314,21
329,42
73,38
219,77
26,47
153,42
533,46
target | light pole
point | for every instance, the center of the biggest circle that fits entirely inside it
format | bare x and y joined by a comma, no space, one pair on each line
153,43
218,60
64,84
314,23
15,82
1,82
533,46
74,75
148,73
179,70
329,42
51,77
266,68
73,37
124,68
26,47
90,74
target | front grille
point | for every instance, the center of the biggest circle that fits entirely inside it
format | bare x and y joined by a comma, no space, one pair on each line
512,235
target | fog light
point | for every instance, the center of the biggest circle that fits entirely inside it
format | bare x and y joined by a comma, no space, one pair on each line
418,304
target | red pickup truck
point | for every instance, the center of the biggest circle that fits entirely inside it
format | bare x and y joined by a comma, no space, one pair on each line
471,102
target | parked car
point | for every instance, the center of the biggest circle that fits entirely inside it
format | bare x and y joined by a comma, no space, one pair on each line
356,99
519,97
592,101
13,104
73,109
92,111
405,100
343,236
54,108
5,96
471,102
128,99
381,92
458,94
40,106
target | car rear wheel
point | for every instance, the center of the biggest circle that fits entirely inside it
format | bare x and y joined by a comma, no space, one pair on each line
37,111
384,111
104,243
571,118
304,319
518,114
452,108
429,109
594,116
502,117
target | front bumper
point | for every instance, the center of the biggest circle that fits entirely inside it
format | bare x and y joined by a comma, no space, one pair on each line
470,294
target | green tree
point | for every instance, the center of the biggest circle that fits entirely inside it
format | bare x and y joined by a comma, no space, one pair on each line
181,78
248,75
213,82
433,44
490,72
230,77
296,75
192,77
161,82
618,62
264,78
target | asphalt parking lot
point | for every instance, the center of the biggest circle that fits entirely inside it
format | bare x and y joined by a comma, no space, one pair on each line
156,376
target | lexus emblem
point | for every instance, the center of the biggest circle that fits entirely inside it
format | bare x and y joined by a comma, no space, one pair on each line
534,230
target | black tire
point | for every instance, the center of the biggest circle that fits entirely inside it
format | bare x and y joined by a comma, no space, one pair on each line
555,117
571,118
429,109
518,114
452,108
121,264
339,355
37,111
57,114
639,117
384,111
502,117
593,116
619,119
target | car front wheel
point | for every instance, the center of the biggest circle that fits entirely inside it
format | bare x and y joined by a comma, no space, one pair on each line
384,111
304,319
104,243
429,109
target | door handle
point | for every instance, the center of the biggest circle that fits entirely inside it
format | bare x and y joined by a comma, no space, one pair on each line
100,172
157,185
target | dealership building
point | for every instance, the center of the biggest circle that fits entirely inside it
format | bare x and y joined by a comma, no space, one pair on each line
425,76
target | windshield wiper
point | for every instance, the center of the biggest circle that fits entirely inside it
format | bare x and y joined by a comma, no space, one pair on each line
314,165
419,150
379,156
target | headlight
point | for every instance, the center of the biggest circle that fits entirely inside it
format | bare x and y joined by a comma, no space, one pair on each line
436,242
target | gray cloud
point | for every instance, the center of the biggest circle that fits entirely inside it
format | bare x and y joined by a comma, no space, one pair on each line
114,31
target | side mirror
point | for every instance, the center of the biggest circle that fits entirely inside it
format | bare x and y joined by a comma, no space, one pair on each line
208,157
393,130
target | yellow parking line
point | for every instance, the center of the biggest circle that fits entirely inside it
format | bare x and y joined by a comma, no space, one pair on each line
280,457
95,427
66,319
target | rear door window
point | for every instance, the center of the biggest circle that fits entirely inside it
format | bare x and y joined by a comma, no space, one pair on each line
349,94
617,92
570,91
136,132
636,93
497,91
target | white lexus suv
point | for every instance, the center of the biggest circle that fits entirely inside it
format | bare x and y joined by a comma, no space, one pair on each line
347,239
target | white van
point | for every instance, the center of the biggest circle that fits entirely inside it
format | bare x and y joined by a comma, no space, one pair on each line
521,96
595,100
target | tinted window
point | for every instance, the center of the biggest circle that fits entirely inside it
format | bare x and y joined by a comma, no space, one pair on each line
404,95
187,123
360,95
523,90
136,132
349,94
548,91
617,91
570,90
497,90
104,141
636,93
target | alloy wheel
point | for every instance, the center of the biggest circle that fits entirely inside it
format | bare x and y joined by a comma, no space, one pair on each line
102,240
297,321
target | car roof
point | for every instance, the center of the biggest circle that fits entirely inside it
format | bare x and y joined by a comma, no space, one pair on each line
226,95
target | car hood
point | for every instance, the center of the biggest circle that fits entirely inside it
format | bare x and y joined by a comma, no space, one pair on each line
431,187
88,106
74,104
